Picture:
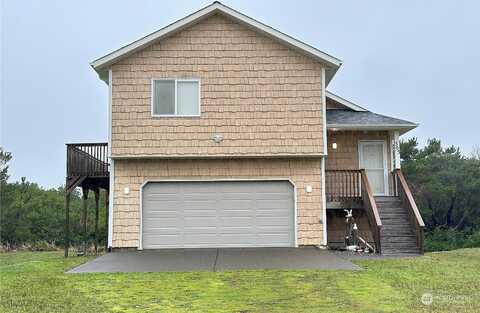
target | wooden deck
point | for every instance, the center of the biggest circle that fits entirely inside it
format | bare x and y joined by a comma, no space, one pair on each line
350,189
87,168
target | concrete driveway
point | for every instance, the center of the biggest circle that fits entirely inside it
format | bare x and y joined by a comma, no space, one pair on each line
183,260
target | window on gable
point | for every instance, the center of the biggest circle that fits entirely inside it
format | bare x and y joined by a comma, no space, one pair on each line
175,97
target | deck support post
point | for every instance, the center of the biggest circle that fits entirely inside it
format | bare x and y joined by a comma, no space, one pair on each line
97,199
107,204
67,223
84,218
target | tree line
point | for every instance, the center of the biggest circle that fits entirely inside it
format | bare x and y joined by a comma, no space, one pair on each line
446,188
33,216
445,184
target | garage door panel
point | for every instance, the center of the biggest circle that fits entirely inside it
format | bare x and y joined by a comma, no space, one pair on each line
163,239
159,223
199,238
272,239
199,231
235,230
234,239
271,213
234,213
280,205
218,214
273,221
236,204
237,221
207,221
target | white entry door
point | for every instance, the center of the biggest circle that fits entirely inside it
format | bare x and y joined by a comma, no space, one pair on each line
372,157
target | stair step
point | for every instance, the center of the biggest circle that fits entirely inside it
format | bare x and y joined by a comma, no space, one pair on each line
398,232
391,208
392,224
386,198
403,240
395,222
400,236
392,200
399,246
400,252
389,232
387,247
397,208
390,216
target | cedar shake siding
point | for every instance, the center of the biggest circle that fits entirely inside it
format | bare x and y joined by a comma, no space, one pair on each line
345,157
264,98
134,173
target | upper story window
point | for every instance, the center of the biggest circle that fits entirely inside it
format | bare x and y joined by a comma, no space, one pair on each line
175,97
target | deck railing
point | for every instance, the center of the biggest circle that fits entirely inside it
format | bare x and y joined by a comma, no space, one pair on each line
87,159
343,185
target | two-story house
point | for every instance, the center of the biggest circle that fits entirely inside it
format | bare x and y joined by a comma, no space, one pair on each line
222,134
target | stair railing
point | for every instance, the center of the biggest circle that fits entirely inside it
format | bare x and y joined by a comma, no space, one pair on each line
405,195
371,210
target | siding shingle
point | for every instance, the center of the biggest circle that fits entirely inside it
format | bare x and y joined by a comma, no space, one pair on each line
264,98
133,173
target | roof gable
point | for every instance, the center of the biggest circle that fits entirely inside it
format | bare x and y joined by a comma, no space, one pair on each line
344,103
331,63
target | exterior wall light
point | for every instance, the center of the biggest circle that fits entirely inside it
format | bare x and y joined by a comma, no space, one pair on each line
217,138
334,146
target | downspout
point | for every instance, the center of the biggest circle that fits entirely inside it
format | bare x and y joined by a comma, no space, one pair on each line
325,152
112,165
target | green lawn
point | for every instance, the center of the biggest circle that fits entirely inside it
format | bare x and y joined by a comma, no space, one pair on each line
35,282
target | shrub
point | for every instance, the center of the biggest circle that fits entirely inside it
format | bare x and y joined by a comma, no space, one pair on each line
440,239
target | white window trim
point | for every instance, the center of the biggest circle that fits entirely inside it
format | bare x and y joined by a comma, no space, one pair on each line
176,80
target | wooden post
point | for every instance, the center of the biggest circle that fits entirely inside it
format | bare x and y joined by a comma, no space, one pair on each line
67,223
107,205
84,219
97,198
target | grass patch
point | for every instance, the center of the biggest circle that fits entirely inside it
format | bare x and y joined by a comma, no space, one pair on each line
35,282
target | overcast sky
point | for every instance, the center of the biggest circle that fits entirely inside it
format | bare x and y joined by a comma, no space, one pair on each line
416,60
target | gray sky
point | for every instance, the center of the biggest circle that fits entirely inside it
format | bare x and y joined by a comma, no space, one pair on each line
416,60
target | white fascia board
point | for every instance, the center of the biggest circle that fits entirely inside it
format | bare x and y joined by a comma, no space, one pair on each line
345,102
141,43
402,128
102,63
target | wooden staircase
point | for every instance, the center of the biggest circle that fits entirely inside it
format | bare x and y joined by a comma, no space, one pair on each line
397,235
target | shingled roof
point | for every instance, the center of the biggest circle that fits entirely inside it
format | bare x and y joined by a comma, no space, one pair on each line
366,120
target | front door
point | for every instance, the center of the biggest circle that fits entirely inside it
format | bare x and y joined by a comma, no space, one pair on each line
372,159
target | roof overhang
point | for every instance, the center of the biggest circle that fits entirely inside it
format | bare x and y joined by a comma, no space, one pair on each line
378,127
101,65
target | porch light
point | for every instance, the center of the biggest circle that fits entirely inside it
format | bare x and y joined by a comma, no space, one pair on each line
334,146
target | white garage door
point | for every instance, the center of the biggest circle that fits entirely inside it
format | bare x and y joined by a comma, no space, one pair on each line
218,214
